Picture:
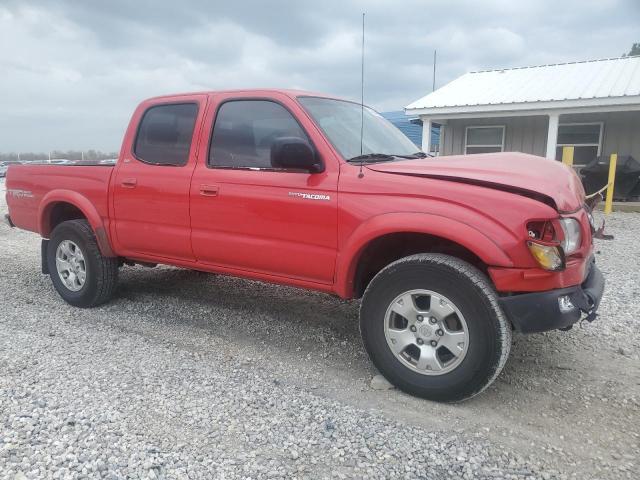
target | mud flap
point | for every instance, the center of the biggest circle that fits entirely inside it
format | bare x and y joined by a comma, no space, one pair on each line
43,256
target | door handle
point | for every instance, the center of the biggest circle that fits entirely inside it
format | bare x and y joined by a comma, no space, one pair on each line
129,182
209,190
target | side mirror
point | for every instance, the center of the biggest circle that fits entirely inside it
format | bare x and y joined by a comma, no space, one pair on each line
294,153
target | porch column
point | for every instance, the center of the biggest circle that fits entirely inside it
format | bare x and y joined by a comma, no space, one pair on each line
426,134
441,137
552,135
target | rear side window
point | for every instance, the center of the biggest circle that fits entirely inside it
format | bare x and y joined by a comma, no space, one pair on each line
165,132
244,131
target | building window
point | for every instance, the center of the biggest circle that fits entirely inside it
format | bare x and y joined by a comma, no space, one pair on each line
586,138
164,135
484,139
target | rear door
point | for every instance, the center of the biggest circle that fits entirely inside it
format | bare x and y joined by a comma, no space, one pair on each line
150,190
250,216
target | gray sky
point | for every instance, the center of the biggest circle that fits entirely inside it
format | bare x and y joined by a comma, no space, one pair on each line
71,72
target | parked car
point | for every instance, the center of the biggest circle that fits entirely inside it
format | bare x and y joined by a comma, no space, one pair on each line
3,170
448,255
61,161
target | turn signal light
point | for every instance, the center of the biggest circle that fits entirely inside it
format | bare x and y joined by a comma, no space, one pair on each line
548,257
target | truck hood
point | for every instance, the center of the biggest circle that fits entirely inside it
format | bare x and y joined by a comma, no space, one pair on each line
535,177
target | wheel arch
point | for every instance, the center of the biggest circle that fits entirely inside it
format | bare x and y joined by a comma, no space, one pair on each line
419,229
60,205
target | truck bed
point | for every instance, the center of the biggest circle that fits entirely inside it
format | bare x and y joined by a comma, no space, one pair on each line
31,186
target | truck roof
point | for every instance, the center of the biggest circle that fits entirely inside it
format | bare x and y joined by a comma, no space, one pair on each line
266,91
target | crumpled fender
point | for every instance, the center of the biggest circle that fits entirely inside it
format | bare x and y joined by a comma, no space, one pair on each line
466,235
87,208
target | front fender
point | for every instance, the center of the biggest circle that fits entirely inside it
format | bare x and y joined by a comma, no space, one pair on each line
431,224
83,204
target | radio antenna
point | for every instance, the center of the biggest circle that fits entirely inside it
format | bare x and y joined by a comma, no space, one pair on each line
361,173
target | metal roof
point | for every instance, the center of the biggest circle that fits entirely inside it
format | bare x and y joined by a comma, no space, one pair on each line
598,82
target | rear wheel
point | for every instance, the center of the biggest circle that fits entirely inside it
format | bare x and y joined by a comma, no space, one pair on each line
432,325
79,272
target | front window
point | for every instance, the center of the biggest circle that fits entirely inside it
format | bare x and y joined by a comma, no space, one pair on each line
585,138
484,139
244,131
345,123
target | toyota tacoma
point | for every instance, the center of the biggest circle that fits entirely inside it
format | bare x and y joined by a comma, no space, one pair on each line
448,255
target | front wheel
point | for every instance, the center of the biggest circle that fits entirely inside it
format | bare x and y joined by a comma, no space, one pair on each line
79,272
432,325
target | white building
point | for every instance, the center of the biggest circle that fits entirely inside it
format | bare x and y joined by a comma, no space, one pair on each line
592,105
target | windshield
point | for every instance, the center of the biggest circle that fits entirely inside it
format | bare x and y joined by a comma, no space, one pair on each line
341,121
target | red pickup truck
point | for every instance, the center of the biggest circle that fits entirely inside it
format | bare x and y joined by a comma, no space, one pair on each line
449,255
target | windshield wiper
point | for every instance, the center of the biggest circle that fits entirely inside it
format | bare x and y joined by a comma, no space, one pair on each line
371,158
413,155
383,157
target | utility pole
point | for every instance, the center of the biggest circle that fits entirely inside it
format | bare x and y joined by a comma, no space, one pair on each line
433,87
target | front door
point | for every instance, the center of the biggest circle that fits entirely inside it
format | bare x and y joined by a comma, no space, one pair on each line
248,215
151,185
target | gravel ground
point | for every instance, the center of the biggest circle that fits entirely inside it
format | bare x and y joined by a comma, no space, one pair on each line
188,375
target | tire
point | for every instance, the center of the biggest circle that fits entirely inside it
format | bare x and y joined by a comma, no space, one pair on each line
100,273
460,301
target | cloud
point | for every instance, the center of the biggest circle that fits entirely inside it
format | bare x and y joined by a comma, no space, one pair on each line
72,72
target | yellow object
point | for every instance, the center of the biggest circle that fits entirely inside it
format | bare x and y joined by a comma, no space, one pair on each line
608,204
547,256
567,156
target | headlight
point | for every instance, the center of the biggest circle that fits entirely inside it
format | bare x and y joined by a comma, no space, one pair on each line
572,235
547,256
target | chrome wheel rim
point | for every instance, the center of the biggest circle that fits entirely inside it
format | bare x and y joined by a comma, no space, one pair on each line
71,266
426,332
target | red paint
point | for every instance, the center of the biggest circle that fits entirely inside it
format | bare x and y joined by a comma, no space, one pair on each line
246,222
512,169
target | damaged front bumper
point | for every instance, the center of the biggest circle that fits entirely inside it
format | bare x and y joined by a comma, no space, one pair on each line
556,309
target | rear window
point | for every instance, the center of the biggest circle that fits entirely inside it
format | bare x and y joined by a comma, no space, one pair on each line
165,132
